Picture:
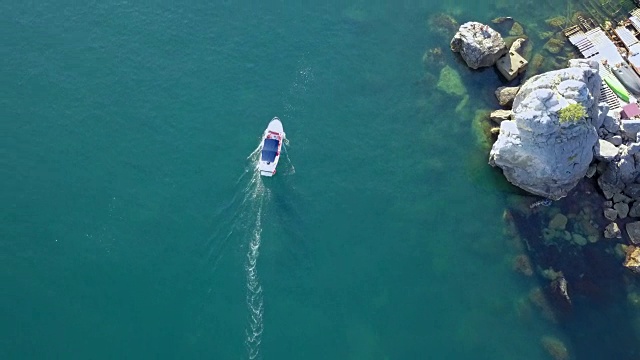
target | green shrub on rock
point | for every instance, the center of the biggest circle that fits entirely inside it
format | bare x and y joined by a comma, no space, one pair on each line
572,113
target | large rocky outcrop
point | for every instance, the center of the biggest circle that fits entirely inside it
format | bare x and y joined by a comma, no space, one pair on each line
479,44
536,151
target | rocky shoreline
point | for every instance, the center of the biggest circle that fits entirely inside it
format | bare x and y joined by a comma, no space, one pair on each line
557,132
556,140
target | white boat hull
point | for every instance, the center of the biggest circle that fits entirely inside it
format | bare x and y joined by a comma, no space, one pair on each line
271,146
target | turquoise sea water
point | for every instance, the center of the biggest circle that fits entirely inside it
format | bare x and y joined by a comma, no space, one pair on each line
134,227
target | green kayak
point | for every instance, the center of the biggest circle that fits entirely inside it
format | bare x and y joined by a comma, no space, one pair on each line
617,87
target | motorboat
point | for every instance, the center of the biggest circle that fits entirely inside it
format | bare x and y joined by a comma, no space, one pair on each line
271,146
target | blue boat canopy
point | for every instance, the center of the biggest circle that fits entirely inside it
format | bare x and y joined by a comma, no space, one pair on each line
269,150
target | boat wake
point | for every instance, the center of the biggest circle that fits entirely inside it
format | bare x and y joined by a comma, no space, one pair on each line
248,207
256,197
254,291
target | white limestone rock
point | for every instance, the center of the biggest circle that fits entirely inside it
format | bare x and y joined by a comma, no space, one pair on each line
478,44
499,116
605,151
535,150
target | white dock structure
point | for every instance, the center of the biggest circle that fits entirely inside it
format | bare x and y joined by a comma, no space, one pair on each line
596,45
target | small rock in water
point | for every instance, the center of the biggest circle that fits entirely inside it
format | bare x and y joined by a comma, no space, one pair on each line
622,209
561,287
612,231
635,209
610,214
501,19
633,230
621,198
506,94
499,116
478,44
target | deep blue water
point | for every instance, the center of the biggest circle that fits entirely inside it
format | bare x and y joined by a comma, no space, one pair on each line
134,226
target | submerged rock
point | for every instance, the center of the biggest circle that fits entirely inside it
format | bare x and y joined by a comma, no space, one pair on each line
536,151
556,348
478,44
580,240
553,46
522,264
557,22
443,24
559,222
516,29
433,58
501,19
450,82
539,300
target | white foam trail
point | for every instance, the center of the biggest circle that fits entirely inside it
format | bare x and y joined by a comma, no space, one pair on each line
254,291
256,195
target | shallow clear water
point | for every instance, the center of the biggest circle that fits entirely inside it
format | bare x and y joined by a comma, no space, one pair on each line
134,227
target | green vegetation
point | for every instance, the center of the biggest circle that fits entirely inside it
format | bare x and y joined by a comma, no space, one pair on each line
572,113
